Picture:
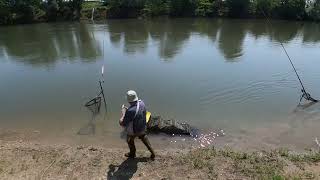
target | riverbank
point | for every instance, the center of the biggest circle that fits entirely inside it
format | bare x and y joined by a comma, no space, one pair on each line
21,12
30,160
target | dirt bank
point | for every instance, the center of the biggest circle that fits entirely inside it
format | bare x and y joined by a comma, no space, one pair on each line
29,160
23,160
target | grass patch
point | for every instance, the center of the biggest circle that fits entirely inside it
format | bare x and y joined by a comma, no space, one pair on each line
201,158
261,165
253,165
312,157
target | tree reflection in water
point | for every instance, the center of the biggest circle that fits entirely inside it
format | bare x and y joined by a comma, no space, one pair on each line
172,34
45,44
232,34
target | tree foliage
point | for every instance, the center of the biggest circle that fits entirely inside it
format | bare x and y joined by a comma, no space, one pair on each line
264,7
125,8
4,12
27,11
182,7
238,8
156,7
286,9
204,8
314,12
291,9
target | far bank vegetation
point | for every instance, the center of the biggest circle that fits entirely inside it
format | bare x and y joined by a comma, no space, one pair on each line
29,11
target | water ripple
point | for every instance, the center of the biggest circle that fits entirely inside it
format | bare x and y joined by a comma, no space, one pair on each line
248,92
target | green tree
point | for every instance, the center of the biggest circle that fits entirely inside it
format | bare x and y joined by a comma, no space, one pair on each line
64,10
291,9
264,8
4,12
204,8
125,8
52,10
220,8
238,8
314,13
182,7
25,11
76,6
156,7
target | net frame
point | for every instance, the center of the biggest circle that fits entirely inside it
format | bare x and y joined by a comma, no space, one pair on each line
94,105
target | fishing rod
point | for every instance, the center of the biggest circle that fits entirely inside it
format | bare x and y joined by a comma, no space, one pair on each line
102,80
101,88
304,95
94,104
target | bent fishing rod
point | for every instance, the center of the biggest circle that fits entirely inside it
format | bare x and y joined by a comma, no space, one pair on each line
305,95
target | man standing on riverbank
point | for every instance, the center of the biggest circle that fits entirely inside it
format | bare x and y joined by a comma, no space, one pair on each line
134,121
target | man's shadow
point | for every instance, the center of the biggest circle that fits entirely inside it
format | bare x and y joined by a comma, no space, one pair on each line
126,169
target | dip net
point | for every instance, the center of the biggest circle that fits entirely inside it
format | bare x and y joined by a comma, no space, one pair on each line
94,106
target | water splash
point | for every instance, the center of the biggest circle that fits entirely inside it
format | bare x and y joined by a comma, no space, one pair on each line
201,140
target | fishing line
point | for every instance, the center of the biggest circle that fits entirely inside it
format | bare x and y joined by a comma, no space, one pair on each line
304,95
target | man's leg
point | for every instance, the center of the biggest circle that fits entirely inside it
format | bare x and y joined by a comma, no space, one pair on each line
146,142
132,147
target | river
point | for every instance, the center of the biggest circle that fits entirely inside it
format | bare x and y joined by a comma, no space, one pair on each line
212,73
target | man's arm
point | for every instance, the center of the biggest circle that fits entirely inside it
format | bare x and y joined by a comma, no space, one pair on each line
123,113
126,116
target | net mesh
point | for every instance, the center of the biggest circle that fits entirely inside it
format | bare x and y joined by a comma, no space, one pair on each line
94,106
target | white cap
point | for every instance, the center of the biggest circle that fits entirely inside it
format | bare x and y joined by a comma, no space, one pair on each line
132,96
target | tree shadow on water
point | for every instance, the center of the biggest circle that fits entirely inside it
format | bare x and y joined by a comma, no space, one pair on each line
125,170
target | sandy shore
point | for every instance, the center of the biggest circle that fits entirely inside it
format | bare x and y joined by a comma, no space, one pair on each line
29,154
31,160
25,160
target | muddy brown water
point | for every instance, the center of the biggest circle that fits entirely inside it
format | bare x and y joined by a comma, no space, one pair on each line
212,73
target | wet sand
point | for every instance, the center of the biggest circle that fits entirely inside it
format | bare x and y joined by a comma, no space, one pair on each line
298,132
